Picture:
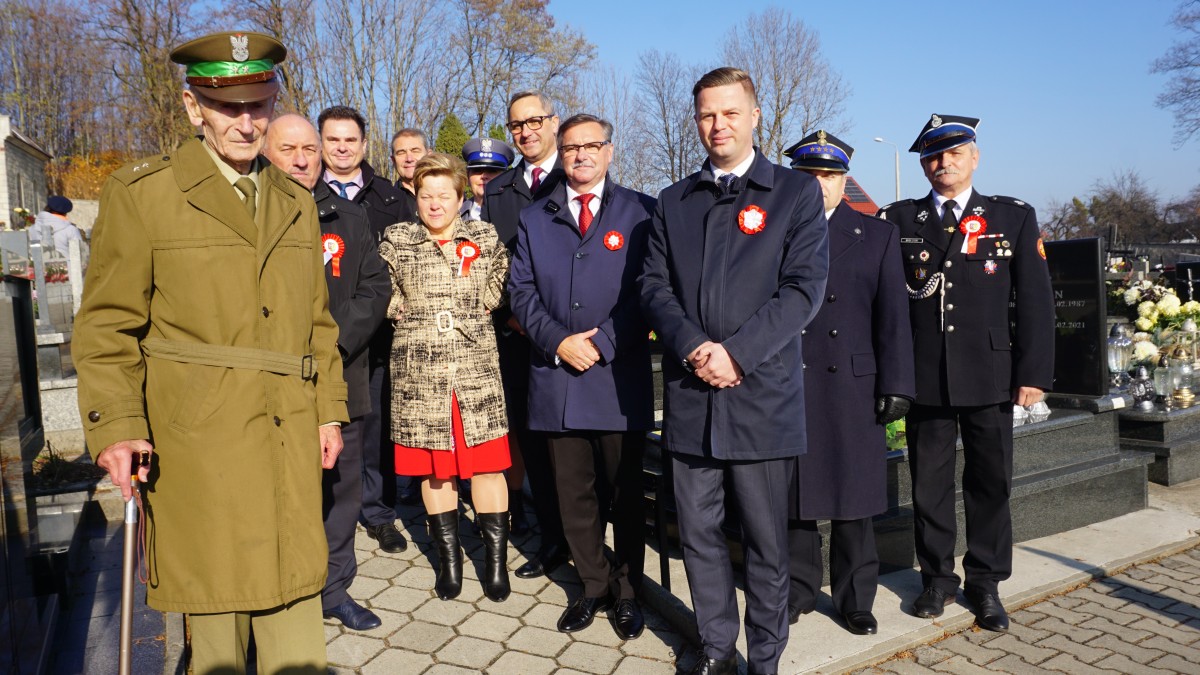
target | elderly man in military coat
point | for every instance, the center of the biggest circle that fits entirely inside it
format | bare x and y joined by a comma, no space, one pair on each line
735,269
205,336
574,288
978,352
858,376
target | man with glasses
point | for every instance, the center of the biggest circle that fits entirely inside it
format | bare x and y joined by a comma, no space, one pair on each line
533,125
573,287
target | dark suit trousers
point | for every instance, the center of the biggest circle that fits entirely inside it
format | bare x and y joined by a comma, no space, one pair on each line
761,491
853,564
986,486
341,489
575,456
378,456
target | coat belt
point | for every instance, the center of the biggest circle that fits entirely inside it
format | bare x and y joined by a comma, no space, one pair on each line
226,356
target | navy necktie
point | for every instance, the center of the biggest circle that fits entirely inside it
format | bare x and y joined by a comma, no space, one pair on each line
341,188
725,180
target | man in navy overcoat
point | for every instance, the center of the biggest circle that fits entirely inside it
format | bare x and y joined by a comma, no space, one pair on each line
573,286
735,269
858,376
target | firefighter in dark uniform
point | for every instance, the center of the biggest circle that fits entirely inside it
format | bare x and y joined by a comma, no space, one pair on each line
967,257
858,377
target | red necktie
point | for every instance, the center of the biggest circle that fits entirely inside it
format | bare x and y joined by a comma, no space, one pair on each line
585,213
537,178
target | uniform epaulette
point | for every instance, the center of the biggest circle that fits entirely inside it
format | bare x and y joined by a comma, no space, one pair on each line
143,167
1000,199
902,202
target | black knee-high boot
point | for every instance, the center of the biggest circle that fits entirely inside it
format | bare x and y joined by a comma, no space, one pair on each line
443,530
494,529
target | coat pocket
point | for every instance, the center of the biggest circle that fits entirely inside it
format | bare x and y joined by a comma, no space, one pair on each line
862,364
1001,357
192,408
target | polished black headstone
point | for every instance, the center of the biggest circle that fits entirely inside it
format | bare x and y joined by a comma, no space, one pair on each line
1080,313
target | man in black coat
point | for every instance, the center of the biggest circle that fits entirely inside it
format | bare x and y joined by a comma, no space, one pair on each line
976,355
858,377
533,125
359,290
343,141
735,269
408,146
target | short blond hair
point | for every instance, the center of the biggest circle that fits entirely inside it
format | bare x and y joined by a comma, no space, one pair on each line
440,164
722,77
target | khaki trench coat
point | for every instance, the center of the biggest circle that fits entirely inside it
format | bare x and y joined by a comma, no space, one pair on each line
445,340
180,274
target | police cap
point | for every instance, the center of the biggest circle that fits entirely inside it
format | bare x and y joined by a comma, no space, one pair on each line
232,67
821,151
487,153
944,132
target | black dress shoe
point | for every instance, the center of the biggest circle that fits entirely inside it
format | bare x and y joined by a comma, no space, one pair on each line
794,613
627,620
932,602
354,616
389,538
989,611
579,614
707,665
861,623
543,563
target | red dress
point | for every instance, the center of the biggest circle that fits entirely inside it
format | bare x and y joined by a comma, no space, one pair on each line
460,460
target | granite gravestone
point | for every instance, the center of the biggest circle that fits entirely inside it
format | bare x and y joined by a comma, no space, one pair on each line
1080,337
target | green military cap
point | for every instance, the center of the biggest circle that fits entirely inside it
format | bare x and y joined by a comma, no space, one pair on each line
232,67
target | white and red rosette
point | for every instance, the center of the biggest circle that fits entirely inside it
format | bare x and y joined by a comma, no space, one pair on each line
467,252
971,226
335,248
613,240
752,219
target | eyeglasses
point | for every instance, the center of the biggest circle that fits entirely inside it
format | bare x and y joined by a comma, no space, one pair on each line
534,123
592,148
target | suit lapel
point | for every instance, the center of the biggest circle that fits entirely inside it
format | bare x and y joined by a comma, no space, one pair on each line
931,229
208,191
844,232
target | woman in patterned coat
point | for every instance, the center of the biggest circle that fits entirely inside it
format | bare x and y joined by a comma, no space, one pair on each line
448,415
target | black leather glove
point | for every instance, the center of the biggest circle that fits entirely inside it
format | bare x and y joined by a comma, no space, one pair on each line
889,408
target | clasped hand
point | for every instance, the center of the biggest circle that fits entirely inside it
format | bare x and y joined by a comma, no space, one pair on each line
578,350
714,365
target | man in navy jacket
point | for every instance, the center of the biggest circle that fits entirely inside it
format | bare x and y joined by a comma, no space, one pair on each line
858,376
735,269
359,291
573,287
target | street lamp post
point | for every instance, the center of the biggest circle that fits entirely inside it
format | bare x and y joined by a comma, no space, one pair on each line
880,140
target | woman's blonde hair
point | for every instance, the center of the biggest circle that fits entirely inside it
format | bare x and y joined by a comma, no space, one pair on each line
440,164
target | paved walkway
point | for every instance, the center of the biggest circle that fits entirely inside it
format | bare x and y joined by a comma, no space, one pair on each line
1144,620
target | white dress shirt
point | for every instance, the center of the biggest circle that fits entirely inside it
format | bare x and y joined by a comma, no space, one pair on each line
593,206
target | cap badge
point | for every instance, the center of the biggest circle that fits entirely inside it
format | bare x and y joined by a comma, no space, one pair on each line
485,145
935,121
752,219
821,137
922,216
241,46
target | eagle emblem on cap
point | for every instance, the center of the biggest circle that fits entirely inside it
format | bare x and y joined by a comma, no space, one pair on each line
241,46
485,145
935,121
821,137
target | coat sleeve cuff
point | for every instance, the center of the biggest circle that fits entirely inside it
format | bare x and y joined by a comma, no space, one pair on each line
100,436
331,406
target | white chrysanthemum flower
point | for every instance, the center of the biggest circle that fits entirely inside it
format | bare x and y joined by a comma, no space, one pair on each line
1147,308
1144,351
1142,337
1144,324
1132,296
1190,307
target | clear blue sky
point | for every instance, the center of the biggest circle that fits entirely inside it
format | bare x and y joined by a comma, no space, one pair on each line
1063,88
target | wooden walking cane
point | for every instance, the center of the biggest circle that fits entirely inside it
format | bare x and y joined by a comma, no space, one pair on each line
129,565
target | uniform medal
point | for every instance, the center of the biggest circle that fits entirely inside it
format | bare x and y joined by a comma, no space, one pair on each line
990,267
335,248
972,226
467,253
752,219
613,240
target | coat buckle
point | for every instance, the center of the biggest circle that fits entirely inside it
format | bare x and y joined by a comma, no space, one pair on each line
445,321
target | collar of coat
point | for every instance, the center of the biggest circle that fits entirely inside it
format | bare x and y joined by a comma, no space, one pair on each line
514,179
415,234
761,173
557,202
198,177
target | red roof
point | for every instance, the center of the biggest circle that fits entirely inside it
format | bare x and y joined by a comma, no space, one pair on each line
858,198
